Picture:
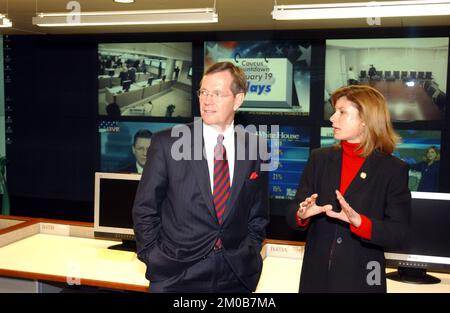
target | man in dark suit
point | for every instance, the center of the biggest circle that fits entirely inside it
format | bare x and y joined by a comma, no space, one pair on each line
200,219
141,143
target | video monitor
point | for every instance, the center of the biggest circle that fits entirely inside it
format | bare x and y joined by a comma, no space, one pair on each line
410,97
419,148
161,84
288,147
427,247
113,203
278,73
124,145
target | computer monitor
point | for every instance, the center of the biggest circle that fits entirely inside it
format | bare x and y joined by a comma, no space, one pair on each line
126,85
427,248
113,203
111,72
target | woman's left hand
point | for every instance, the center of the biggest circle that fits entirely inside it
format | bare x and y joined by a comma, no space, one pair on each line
347,214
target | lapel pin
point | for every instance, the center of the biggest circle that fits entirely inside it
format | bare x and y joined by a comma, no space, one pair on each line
363,175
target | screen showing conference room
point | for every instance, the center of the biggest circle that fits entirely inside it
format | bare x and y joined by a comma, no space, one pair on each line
278,73
419,148
145,79
410,72
119,152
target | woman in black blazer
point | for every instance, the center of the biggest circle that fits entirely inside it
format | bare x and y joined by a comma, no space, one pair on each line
353,198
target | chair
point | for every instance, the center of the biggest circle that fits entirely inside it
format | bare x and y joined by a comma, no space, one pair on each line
363,74
397,74
428,75
421,75
413,75
404,74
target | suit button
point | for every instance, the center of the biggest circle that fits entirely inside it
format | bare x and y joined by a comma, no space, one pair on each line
339,240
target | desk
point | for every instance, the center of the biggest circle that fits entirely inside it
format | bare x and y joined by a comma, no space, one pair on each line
52,251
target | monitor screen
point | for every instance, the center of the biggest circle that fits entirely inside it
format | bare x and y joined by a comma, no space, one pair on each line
289,145
278,73
158,73
113,203
419,148
124,145
428,247
409,97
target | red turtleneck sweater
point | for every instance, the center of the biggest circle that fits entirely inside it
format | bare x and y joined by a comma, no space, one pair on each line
351,163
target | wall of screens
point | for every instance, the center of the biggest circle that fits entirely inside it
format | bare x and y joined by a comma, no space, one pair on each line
116,86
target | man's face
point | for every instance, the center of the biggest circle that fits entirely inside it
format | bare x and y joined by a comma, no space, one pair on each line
218,106
140,150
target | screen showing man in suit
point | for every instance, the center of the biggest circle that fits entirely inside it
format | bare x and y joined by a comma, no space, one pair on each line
141,143
200,220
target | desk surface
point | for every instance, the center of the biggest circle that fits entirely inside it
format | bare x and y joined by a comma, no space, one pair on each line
73,257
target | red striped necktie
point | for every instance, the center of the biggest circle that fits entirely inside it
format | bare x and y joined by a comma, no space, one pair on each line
221,182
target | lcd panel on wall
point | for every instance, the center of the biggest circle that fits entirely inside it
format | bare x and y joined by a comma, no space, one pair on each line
123,145
419,148
411,73
278,73
288,147
145,79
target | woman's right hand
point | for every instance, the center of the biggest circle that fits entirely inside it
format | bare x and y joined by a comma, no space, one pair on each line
309,207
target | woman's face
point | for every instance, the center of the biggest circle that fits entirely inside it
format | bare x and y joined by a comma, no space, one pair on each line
347,124
431,154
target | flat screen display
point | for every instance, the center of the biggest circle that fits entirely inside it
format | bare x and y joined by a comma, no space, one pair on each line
411,73
145,79
278,73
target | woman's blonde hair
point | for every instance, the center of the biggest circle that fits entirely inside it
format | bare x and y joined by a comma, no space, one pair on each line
378,133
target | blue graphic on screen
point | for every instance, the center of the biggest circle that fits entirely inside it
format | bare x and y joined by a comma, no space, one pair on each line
278,72
419,148
293,154
116,143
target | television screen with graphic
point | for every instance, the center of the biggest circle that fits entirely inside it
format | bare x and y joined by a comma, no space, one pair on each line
278,73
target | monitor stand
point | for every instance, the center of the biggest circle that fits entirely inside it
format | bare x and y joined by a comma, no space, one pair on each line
126,245
413,275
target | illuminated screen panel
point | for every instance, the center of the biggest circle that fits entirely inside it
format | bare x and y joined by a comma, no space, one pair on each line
411,73
419,148
145,79
278,73
292,151
119,152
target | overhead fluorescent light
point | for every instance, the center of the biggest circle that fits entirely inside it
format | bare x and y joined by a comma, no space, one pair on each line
4,21
124,1
361,10
149,17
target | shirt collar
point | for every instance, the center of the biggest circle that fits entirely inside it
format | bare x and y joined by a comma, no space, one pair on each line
210,133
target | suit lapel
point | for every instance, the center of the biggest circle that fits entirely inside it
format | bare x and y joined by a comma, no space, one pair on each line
364,174
201,173
239,175
334,170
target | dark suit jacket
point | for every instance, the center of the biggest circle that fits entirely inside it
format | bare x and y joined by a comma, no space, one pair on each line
174,218
130,168
335,259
